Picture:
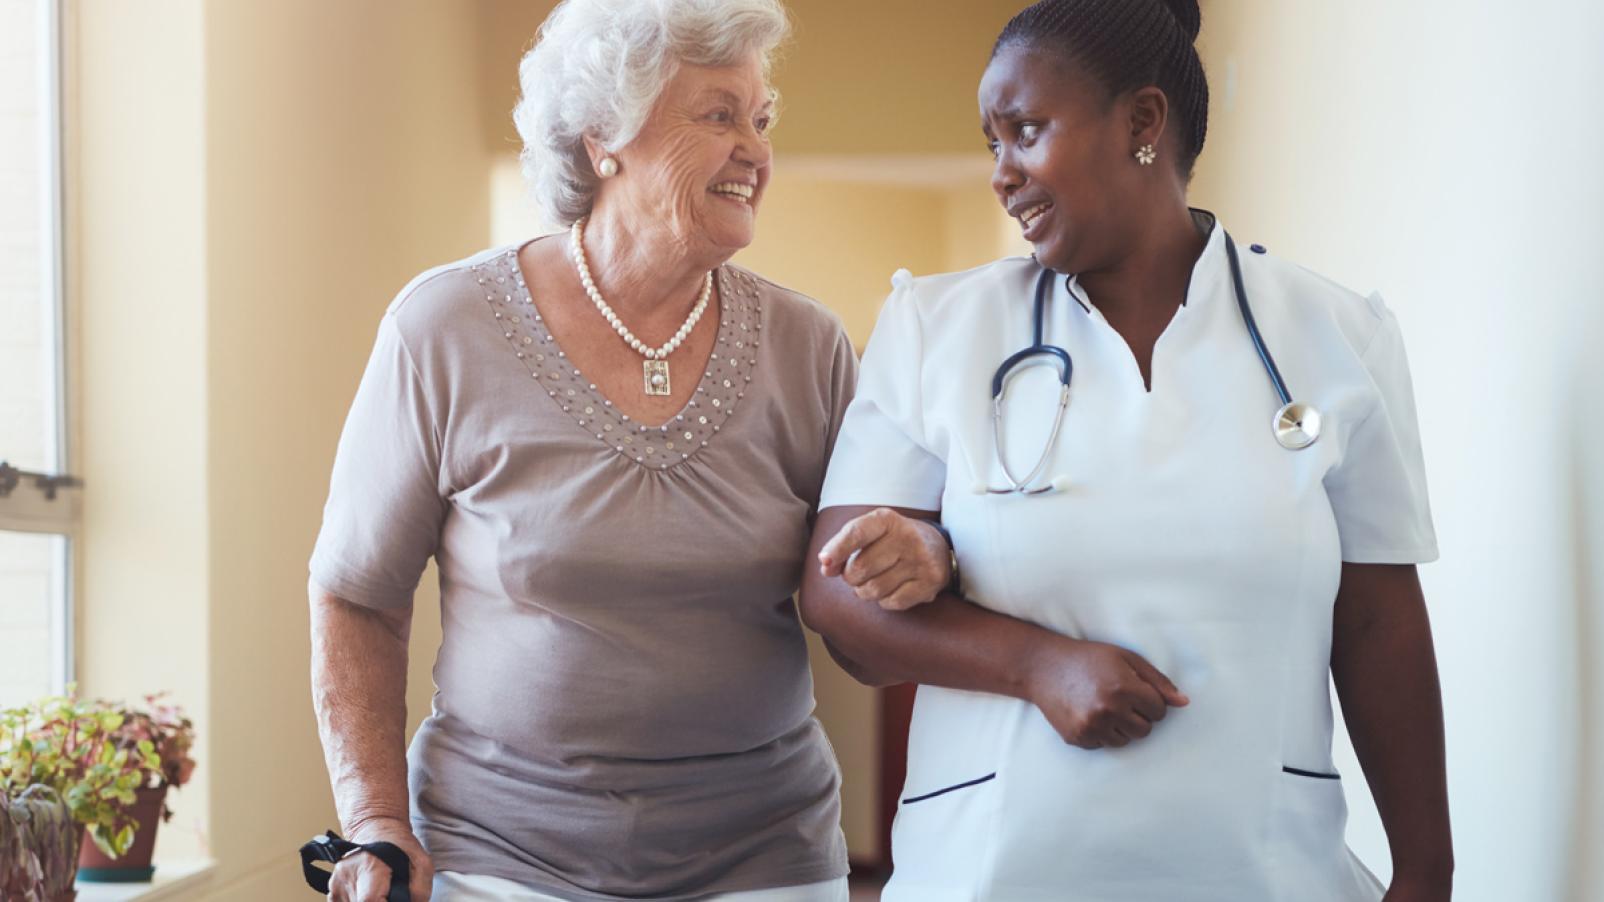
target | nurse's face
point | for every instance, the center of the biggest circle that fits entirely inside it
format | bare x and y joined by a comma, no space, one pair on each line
1064,170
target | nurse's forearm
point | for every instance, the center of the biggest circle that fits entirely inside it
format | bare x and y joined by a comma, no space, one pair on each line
359,673
947,642
1385,671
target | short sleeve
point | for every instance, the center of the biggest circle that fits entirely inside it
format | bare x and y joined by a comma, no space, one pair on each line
1378,489
882,456
385,508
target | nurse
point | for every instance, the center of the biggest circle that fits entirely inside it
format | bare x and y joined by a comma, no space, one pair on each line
1125,694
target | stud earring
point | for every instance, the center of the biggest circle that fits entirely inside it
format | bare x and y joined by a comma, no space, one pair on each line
607,168
1146,155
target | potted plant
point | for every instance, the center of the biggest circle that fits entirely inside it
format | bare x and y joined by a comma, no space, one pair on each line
62,746
162,736
97,761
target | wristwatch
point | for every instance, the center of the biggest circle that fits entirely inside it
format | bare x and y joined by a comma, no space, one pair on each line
954,584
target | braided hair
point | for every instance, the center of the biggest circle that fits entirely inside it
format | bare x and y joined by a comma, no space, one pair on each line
1124,45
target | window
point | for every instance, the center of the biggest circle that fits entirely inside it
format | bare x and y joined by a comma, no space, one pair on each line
38,504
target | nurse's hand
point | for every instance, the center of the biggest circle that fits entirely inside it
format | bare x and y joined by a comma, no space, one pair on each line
896,561
1097,695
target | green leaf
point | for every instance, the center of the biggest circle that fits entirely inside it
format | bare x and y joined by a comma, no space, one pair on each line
98,834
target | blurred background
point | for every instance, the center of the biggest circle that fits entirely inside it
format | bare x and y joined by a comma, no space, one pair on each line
206,206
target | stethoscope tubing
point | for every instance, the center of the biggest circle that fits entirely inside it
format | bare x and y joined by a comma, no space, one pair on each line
1044,284
1289,418
1252,324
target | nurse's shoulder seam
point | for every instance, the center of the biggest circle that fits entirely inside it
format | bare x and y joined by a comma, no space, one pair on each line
944,288
1361,317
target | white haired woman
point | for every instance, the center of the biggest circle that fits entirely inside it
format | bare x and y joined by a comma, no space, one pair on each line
612,442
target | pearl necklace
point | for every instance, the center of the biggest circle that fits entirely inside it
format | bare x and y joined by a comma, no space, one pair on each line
656,363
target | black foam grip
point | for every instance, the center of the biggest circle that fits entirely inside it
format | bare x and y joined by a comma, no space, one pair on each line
333,848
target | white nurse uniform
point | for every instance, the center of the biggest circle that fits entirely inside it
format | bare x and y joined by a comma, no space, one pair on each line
1186,534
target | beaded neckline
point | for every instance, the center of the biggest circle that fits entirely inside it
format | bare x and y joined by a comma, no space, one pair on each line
721,389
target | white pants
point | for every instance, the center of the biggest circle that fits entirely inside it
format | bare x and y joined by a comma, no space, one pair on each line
451,886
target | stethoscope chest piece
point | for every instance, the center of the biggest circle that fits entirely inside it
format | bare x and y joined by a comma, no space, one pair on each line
1297,426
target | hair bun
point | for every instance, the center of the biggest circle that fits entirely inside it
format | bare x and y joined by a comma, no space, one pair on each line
1187,13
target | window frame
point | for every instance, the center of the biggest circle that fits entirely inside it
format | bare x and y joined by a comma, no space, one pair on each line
54,507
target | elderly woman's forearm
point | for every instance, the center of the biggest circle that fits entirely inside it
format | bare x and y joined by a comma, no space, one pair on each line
947,642
359,668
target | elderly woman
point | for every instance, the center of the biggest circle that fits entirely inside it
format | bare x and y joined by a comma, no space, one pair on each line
612,442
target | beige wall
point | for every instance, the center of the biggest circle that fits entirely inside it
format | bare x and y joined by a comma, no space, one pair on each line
835,229
839,242
887,77
140,306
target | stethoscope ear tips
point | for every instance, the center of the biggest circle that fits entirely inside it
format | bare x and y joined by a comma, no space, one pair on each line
979,488
1061,483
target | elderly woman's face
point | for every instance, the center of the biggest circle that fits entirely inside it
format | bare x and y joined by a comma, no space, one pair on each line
701,162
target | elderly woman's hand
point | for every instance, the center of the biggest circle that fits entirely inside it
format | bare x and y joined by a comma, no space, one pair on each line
365,878
896,561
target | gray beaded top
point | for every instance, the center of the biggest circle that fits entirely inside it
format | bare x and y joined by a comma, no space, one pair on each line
722,388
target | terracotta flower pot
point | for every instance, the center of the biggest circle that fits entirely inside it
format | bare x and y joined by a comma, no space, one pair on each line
94,866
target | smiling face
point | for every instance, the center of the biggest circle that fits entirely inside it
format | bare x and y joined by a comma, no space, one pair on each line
1064,168
699,165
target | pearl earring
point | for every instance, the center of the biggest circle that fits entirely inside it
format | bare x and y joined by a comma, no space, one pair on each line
608,168
1146,155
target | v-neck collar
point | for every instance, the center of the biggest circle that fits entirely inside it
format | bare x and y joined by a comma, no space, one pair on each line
1210,276
722,388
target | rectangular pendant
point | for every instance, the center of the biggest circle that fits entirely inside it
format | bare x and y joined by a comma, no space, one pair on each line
657,377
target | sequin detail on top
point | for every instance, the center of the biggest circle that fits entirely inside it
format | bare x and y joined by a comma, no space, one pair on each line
719,392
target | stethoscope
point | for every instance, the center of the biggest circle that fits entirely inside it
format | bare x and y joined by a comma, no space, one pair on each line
1296,425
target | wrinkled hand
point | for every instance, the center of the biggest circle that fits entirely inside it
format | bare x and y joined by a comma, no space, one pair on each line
364,878
895,561
1098,695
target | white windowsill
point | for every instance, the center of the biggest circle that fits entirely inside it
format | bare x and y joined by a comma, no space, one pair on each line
173,880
